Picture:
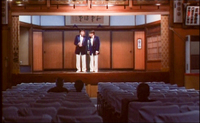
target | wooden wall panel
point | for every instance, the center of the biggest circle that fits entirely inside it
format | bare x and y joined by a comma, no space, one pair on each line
122,49
69,49
151,66
24,46
37,51
179,53
5,80
104,57
192,81
140,53
53,50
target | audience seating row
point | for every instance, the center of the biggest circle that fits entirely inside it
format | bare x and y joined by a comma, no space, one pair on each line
30,102
179,102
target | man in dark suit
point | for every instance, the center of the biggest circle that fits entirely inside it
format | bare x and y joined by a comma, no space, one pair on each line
93,51
59,86
81,50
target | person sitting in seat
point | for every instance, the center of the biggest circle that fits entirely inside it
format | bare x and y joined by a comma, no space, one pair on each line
143,92
78,85
59,86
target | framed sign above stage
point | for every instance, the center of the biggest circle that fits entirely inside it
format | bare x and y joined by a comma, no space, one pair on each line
147,2
87,20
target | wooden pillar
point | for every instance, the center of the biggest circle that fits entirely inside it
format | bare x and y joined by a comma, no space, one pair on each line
15,37
165,43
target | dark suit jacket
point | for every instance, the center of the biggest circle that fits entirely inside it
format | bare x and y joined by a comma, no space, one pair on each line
83,49
95,47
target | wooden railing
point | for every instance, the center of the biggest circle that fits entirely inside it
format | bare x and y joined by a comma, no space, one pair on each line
86,2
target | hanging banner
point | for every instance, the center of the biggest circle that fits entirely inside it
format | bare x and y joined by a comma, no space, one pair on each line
87,20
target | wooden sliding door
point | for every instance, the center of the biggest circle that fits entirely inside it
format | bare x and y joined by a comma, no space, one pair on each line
37,51
104,57
122,49
139,51
53,49
69,49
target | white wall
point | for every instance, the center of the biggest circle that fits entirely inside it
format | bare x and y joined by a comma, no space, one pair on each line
140,19
25,18
152,18
36,20
122,20
52,20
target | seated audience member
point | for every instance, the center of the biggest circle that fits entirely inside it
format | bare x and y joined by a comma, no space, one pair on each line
143,92
59,86
79,85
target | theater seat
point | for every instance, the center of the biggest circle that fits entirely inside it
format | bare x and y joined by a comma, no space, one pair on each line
147,113
42,105
77,111
79,119
10,112
29,119
49,100
187,117
18,105
186,108
133,110
51,111
69,104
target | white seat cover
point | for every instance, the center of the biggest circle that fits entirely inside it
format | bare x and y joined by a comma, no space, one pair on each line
70,104
10,112
187,117
147,113
79,119
186,108
42,105
133,114
39,111
77,111
18,105
29,119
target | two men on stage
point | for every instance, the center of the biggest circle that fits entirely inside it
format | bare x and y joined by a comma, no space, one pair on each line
84,46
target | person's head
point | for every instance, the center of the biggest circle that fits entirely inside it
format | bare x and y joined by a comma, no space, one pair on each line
59,82
92,33
143,91
82,32
78,85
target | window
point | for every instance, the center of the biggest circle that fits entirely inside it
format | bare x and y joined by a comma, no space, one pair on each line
154,48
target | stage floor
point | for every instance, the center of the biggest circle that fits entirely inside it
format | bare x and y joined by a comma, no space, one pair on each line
88,72
92,77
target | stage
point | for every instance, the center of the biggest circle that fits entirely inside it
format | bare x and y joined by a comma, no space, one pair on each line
92,77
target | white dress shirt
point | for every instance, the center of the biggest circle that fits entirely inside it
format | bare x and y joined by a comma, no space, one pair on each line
92,40
81,39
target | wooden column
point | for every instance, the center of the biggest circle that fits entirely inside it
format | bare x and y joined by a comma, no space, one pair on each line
15,37
165,43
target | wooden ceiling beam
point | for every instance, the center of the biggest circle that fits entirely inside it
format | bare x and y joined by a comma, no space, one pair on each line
84,10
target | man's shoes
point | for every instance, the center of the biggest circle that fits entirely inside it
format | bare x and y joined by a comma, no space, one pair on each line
78,71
